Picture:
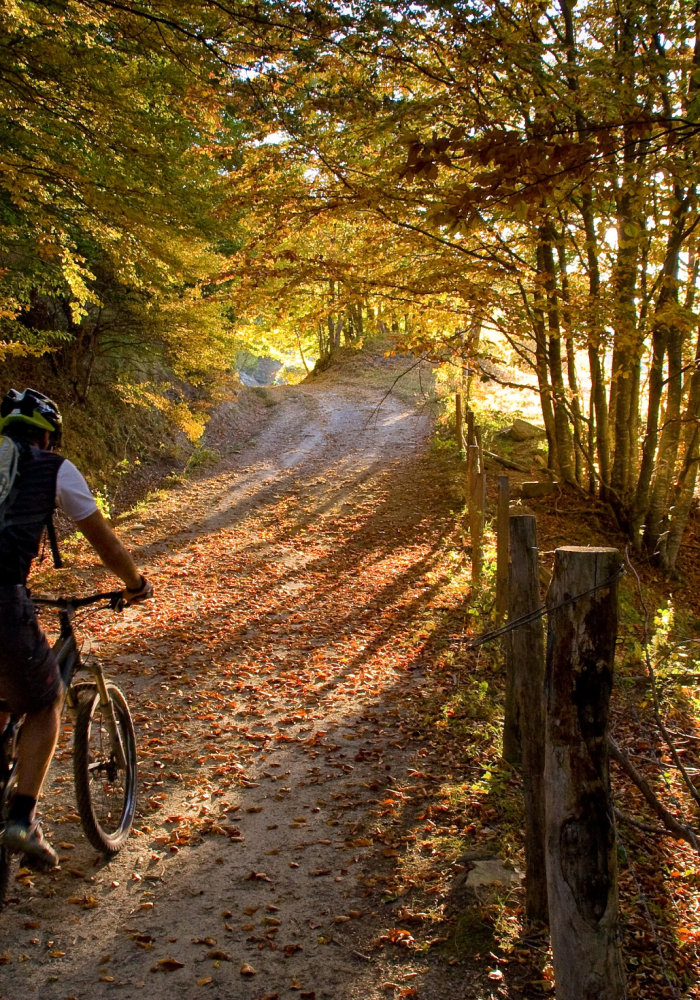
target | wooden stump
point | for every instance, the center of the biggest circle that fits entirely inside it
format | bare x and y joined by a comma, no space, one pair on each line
580,830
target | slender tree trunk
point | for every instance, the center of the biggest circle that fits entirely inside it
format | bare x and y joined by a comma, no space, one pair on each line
577,416
646,469
684,492
665,339
668,447
301,353
561,419
626,349
596,351
591,441
600,408
470,350
598,413
633,430
542,368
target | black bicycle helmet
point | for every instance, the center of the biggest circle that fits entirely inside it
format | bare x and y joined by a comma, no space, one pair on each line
33,409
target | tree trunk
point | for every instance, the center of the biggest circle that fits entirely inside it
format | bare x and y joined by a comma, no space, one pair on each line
502,546
561,419
542,368
576,414
668,447
684,492
665,338
646,469
626,349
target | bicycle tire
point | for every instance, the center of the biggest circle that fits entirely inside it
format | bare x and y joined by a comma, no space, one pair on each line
105,794
9,777
5,872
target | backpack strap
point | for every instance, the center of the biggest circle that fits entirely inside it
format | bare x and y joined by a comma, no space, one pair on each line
53,542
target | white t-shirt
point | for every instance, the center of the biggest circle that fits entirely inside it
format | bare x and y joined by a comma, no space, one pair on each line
73,494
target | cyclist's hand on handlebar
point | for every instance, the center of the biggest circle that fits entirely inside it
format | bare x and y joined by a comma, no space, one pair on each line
139,594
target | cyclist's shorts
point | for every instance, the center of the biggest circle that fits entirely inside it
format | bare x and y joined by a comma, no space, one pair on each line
29,675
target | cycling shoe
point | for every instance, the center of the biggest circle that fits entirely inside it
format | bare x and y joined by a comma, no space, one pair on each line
28,839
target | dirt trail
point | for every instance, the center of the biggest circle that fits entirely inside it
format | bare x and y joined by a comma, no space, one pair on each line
280,783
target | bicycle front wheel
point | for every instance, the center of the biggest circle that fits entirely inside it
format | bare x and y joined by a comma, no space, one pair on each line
106,792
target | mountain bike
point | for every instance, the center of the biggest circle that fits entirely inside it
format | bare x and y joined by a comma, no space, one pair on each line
104,743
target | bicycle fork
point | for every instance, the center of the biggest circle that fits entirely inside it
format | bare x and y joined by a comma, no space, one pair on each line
111,721
110,718
69,659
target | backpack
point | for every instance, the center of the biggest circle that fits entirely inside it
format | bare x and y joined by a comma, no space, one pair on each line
9,465
9,460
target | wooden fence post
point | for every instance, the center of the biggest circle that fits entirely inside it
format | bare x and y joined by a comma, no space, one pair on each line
502,546
580,830
479,444
477,505
523,731
459,422
469,444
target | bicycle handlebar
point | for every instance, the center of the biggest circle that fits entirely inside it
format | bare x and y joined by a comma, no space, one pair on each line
115,598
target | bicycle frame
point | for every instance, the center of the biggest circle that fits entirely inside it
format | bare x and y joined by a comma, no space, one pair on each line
68,657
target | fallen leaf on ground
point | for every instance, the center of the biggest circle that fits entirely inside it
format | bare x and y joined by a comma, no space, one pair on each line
167,965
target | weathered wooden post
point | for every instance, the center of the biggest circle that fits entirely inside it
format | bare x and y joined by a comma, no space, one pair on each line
479,444
580,830
477,506
470,444
502,546
459,422
523,731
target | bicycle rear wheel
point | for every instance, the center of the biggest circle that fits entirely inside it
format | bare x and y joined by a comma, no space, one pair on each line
5,872
105,792
8,778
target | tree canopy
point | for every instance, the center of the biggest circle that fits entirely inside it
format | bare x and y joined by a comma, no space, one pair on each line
193,173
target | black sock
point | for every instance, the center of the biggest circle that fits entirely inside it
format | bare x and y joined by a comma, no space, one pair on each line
22,808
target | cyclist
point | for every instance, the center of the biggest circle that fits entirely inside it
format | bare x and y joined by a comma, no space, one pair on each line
30,682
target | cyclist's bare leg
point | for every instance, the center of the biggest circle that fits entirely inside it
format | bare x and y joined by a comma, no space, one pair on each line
36,747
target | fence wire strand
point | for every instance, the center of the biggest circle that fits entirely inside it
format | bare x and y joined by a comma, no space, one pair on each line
532,616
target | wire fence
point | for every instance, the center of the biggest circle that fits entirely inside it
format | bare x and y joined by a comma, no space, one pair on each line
533,616
491,635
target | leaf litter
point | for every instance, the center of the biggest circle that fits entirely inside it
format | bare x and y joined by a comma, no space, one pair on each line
302,700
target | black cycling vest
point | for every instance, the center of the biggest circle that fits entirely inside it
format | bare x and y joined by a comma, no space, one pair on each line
24,515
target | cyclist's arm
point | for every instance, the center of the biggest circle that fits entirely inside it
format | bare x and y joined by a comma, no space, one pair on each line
110,549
